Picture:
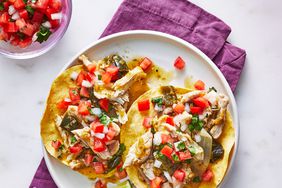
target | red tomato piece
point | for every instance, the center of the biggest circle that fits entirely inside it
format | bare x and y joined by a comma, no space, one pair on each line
26,42
166,138
106,77
207,175
147,122
11,27
167,151
23,14
81,76
201,102
19,4
156,183
196,110
199,85
144,105
4,36
88,158
54,23
179,175
99,146
169,120
104,104
110,134
179,63
56,144
42,4
113,70
56,5
49,12
20,23
4,18
84,92
74,95
92,67
97,127
15,41
83,107
98,167
37,17
28,29
63,105
100,184
145,64
77,148
184,155
121,174
6,5
179,108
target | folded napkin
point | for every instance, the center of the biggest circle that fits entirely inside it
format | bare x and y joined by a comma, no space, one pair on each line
179,18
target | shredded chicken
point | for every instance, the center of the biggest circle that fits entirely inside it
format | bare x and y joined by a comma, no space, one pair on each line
191,95
148,169
85,60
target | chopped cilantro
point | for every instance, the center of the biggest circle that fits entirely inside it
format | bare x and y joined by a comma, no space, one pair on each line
170,145
199,126
21,35
212,88
157,100
192,150
74,91
43,34
181,146
25,1
175,158
29,9
99,76
1,6
159,155
73,140
191,127
195,119
188,161
104,119
120,169
197,179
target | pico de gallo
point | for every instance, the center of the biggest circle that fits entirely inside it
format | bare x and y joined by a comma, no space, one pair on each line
93,112
25,21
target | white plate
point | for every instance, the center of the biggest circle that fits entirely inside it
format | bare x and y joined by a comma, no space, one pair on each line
163,49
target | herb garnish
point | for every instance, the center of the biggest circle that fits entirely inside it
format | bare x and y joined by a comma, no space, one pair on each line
157,100
197,179
29,9
104,119
73,140
212,88
196,124
192,150
1,6
181,146
43,34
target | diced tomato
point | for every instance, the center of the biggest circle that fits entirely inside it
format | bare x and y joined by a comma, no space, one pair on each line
199,85
84,92
88,158
56,144
83,107
49,12
77,148
6,5
145,64
144,105
89,77
29,29
54,23
167,151
113,70
147,122
99,146
19,4
184,155
100,184
97,127
207,175
37,17
106,77
12,1
156,182
179,63
42,4
98,167
25,43
4,36
196,110
81,76
20,23
179,108
166,138
92,67
179,175
121,174
4,18
74,95
63,105
23,14
11,27
169,120
201,102
56,5
110,134
15,41
104,104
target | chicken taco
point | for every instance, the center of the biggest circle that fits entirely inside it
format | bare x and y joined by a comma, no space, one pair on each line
177,137
86,106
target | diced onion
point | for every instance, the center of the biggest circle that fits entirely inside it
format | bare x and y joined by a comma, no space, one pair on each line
96,111
15,16
11,10
34,37
74,75
99,135
157,138
168,177
157,163
105,130
56,16
47,24
86,84
183,127
158,108
187,107
67,100
197,138
176,145
90,118
84,124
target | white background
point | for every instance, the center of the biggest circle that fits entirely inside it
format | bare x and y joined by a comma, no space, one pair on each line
256,26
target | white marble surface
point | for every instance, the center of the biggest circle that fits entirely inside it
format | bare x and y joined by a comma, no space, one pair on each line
256,27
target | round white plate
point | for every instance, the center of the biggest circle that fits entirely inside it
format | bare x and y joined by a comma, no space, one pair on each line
162,49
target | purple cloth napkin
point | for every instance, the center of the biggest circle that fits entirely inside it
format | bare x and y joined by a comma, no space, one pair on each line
179,18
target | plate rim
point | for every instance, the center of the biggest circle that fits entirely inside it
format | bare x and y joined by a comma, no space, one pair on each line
235,118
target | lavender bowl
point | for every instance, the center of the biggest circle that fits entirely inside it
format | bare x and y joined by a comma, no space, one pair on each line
37,49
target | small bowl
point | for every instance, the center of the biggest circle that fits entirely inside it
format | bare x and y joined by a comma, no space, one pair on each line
37,49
